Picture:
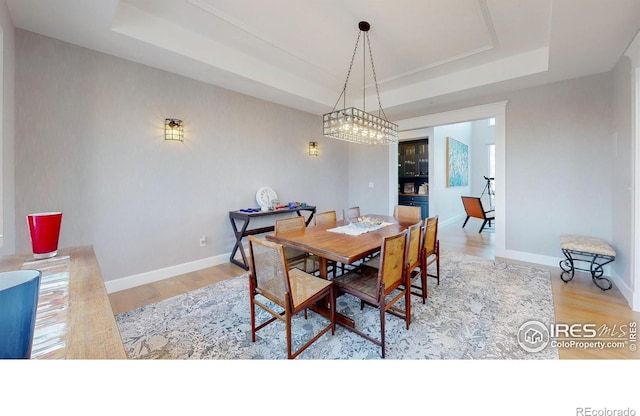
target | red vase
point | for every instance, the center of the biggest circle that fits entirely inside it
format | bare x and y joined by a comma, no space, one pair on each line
44,228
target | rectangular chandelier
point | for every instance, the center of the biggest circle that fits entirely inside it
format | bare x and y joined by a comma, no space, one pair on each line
357,126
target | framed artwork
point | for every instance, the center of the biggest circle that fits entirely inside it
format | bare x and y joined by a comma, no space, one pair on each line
409,188
457,163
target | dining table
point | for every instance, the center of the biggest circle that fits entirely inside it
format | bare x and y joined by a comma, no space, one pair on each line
341,242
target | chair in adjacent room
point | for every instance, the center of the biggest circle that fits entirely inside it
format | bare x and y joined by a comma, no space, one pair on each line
382,287
292,290
349,213
407,213
429,254
473,207
326,218
297,258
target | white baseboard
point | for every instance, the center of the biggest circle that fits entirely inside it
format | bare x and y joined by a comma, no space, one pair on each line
452,220
160,274
624,288
533,258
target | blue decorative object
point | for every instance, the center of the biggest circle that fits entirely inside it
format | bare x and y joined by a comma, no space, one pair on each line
293,205
19,291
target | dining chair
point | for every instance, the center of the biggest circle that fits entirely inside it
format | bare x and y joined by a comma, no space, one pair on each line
326,218
414,253
349,213
430,253
297,258
407,213
354,212
292,290
329,218
382,287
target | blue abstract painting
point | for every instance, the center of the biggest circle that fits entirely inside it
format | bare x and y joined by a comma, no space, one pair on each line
457,163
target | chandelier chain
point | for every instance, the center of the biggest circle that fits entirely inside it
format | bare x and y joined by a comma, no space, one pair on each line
356,125
346,82
375,79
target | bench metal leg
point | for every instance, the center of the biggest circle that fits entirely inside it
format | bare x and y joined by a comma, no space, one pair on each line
596,267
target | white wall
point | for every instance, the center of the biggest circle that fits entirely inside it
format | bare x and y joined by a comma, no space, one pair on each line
483,135
89,142
444,201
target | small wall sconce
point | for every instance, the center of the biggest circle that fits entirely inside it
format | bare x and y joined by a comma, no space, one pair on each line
173,129
313,148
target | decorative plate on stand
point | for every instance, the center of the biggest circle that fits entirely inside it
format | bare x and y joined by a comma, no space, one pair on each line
264,196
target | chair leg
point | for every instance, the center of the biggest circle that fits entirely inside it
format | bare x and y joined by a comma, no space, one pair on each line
438,262
253,320
288,322
483,224
407,306
382,313
465,221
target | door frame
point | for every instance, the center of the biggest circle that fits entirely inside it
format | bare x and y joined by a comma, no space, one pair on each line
495,110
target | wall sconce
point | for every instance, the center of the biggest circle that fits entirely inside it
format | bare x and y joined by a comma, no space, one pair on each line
313,148
173,129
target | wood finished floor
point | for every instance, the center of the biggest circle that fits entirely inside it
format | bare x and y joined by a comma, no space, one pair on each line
579,301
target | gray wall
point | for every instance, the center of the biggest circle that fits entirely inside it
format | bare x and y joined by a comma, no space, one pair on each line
622,180
369,165
89,142
559,163
7,130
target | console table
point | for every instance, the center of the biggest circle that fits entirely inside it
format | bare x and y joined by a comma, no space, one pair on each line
74,318
242,219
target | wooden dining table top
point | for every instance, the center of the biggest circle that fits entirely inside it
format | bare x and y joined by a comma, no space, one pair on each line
342,248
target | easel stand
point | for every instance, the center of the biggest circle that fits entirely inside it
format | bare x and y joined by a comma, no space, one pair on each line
488,189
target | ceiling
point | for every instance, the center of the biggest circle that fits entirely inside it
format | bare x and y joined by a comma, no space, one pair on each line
297,53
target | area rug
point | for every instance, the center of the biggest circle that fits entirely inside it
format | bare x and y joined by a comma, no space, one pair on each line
475,313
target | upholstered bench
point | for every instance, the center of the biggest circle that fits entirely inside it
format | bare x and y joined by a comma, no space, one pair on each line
594,251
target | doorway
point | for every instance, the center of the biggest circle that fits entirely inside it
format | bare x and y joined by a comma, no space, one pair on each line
420,126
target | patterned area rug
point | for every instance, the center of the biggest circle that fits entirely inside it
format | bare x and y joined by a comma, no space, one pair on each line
474,313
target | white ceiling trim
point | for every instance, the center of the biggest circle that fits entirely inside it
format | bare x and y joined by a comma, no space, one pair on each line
524,64
135,23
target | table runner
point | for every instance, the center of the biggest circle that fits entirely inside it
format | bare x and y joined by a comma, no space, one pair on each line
354,230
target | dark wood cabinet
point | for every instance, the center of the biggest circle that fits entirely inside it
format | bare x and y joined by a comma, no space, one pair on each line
413,159
413,174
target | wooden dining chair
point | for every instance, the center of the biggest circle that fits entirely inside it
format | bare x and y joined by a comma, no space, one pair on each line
349,213
414,253
354,212
292,290
407,213
430,253
297,258
329,218
382,287
326,218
